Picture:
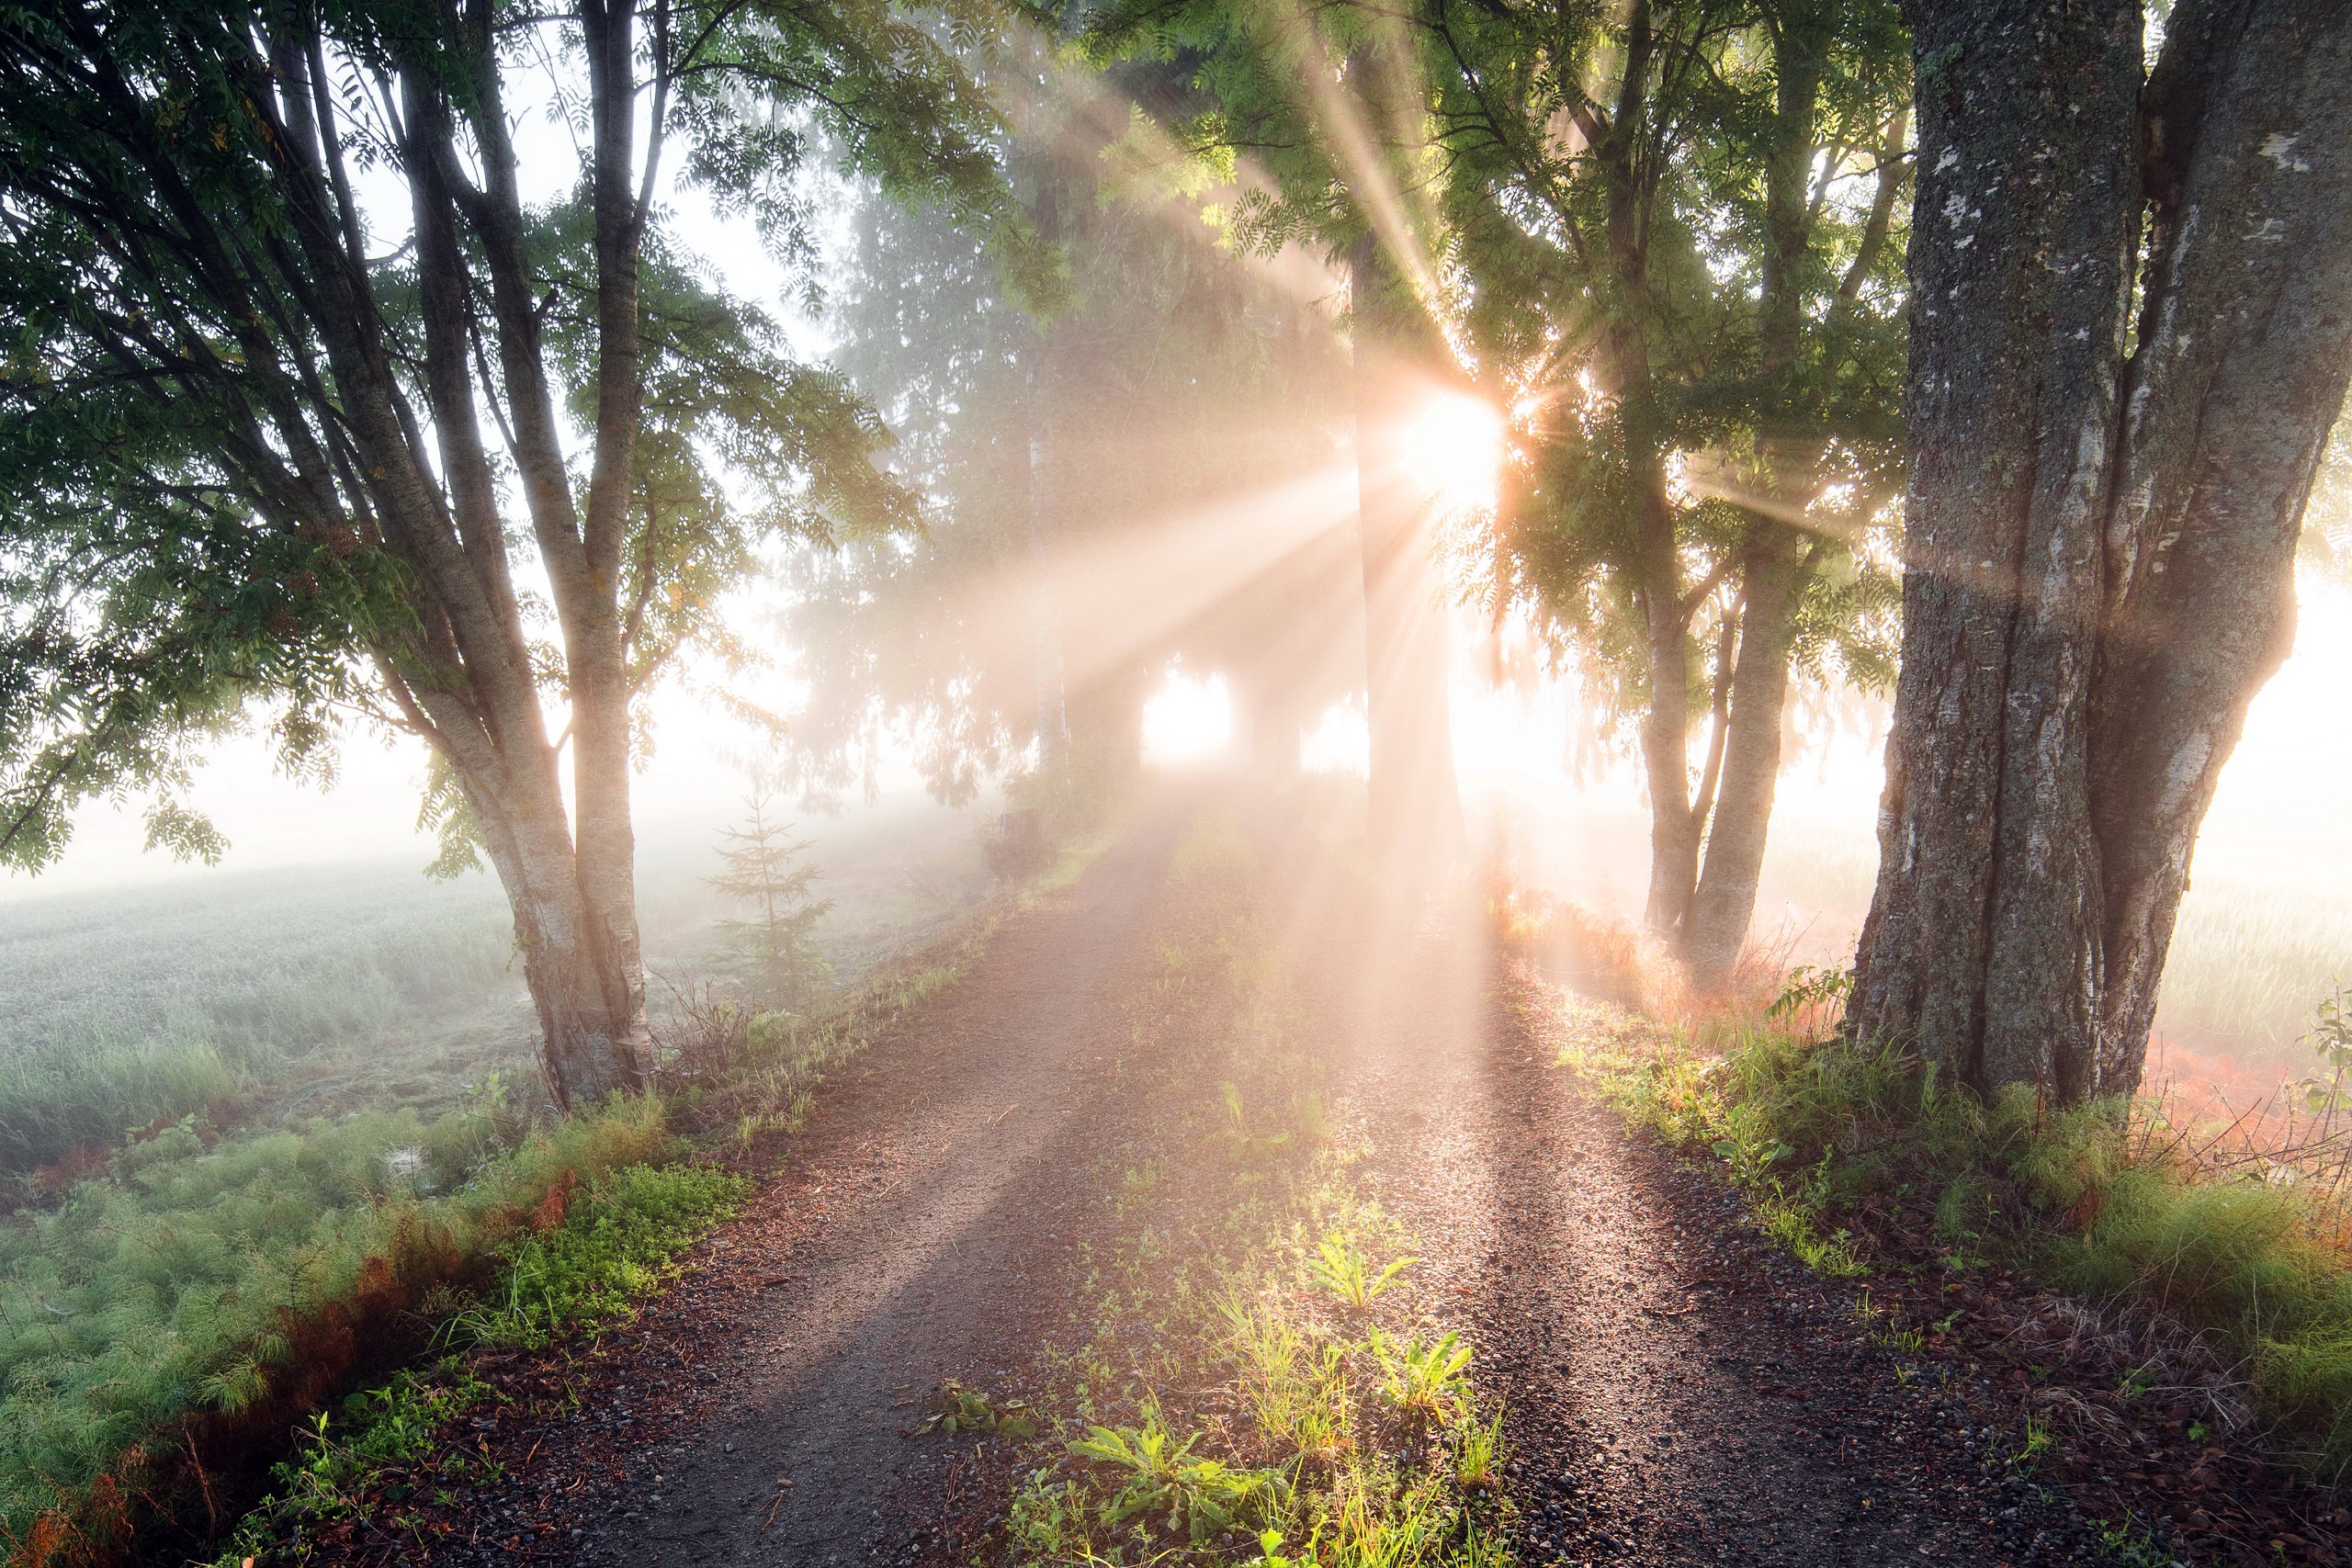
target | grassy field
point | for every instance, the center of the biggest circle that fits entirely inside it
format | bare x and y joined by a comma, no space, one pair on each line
2264,933
278,996
259,1133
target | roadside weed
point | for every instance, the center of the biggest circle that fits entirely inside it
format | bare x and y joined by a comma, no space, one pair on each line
1166,1478
955,1408
1477,1457
2037,1441
1342,1269
1425,1381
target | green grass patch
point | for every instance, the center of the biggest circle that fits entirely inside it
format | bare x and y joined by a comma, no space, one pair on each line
612,1248
2102,1201
1256,1374
165,1322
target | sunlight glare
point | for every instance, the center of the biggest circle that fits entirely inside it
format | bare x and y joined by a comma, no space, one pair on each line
1454,453
1340,741
1187,719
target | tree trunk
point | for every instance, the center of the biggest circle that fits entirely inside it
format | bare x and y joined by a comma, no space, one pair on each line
588,993
2240,372
2099,549
1416,805
1666,725
1774,574
1046,652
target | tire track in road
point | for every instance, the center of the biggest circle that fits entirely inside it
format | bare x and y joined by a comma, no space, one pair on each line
936,1262
1678,1390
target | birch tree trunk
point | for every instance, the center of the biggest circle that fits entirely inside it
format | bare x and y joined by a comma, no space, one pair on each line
2100,533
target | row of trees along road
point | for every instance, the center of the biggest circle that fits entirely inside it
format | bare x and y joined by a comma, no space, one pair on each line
1674,227
1116,481
261,437
246,448
1670,236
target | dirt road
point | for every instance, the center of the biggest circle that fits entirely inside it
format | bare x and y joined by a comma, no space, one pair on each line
1677,1392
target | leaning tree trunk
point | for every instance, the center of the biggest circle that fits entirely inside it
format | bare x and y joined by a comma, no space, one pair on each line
1773,575
2099,549
1416,803
1775,562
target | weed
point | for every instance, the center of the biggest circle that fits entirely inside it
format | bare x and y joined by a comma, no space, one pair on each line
1199,1495
1477,1457
955,1408
2133,1543
2037,1444
1342,1269
1424,1381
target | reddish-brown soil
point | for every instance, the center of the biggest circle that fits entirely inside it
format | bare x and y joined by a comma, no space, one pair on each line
1678,1390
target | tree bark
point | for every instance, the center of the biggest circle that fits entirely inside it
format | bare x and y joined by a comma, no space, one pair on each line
1778,563
2099,549
1416,803
2244,347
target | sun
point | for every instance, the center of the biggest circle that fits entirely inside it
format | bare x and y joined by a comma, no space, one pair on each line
1454,452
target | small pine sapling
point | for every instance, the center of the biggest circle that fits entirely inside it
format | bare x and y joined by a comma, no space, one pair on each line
773,954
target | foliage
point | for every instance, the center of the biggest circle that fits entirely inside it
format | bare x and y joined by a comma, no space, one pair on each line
613,1246
1480,145
955,1408
772,955
189,528
1340,1268
1155,428
197,1290
1425,1379
1159,1476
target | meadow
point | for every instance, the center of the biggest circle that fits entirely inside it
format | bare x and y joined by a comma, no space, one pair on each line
2264,933
271,997
257,1128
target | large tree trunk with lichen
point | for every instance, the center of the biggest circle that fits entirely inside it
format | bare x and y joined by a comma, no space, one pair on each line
2100,547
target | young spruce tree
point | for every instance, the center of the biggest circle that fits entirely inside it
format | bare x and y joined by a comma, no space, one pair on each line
774,954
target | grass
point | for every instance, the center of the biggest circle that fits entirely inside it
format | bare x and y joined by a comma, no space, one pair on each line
130,1010
162,1323
191,1278
1260,1378
2125,1201
613,1246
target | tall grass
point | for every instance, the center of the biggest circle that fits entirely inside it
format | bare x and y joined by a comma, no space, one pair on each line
178,1312
129,1009
2148,1201
60,1097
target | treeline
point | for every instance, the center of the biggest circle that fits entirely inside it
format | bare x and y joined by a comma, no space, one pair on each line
1792,310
